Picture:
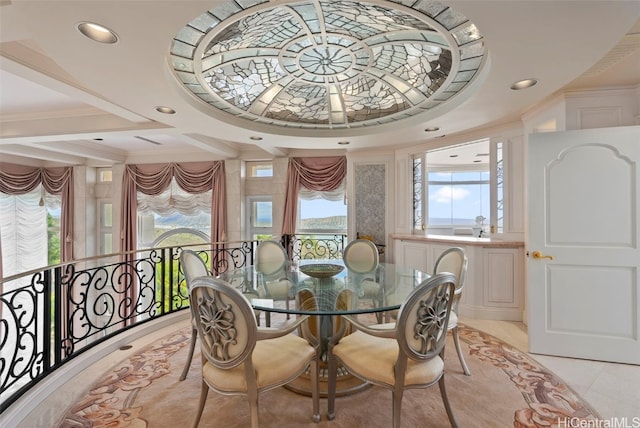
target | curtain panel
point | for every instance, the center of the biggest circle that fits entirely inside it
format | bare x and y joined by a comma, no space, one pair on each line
153,179
21,179
319,174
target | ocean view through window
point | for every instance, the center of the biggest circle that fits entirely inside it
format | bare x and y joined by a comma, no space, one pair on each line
457,190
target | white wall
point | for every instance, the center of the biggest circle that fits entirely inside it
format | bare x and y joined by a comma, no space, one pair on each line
574,110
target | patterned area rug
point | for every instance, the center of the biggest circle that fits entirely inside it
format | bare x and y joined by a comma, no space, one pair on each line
507,388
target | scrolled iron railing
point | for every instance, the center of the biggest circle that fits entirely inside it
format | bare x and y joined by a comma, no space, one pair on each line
315,246
51,315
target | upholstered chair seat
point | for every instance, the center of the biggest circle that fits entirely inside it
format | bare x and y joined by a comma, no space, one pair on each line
238,357
280,358
356,351
407,354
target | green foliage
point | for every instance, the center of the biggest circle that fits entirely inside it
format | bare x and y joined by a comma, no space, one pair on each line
173,293
53,239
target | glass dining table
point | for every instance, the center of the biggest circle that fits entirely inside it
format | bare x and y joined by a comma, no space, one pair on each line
325,289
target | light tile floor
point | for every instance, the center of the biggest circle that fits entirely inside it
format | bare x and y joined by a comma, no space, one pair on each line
613,390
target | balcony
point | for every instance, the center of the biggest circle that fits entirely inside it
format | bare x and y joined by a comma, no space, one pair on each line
58,320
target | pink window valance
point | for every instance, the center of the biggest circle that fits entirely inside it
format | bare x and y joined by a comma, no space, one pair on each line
152,179
319,174
21,179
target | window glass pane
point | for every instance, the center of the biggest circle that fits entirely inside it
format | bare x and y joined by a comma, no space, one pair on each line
499,190
173,217
472,201
106,223
157,228
418,221
260,218
322,214
106,217
53,235
459,202
30,231
105,175
261,214
106,243
260,169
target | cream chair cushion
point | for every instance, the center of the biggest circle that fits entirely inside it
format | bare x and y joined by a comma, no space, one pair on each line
374,358
273,359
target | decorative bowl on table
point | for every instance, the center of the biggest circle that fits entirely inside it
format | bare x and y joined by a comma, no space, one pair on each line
321,270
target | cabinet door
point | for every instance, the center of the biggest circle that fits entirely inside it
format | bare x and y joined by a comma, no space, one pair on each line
412,255
503,277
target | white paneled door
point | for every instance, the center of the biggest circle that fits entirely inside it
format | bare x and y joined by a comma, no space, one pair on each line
583,265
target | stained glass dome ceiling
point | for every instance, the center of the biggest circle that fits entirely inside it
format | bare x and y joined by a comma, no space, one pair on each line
318,64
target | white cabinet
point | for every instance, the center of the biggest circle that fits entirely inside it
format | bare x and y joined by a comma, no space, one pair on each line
503,283
413,255
494,285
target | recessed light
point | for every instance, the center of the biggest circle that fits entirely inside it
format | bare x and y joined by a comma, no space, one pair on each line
97,32
165,110
432,129
255,138
343,143
523,84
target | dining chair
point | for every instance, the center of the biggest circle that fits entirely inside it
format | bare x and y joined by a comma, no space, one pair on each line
271,260
411,355
192,267
240,359
454,260
361,258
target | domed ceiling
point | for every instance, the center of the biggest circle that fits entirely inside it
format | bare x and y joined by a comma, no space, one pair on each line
317,64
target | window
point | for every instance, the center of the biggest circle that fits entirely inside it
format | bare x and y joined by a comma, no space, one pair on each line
105,175
183,214
321,215
499,204
260,217
459,189
458,198
260,169
53,228
106,224
418,186
30,231
104,206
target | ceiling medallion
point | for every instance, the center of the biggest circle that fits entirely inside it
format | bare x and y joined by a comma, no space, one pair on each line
327,64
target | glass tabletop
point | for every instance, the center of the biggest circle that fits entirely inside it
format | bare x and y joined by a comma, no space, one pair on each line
324,287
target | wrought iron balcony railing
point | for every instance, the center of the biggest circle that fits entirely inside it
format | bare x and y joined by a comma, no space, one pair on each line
51,315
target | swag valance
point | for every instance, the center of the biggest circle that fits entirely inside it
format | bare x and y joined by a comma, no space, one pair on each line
153,179
21,179
319,174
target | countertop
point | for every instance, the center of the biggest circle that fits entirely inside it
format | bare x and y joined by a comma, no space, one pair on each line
463,240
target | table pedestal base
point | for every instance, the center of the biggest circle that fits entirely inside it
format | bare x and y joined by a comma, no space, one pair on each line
346,383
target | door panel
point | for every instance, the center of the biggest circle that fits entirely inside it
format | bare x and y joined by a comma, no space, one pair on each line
583,295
